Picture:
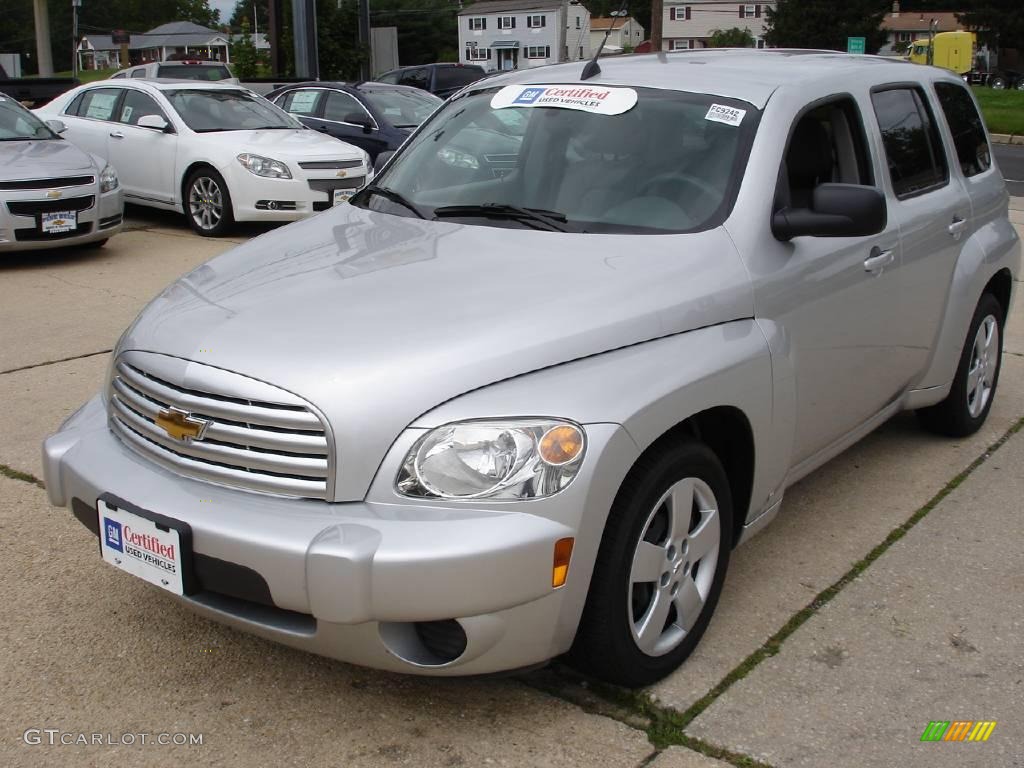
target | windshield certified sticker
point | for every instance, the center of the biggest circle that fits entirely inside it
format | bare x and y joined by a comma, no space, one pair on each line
602,101
719,113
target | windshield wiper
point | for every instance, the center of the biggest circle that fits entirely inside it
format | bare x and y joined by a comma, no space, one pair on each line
394,197
552,220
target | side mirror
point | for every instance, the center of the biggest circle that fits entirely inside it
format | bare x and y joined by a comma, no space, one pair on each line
57,126
357,118
382,160
837,210
155,122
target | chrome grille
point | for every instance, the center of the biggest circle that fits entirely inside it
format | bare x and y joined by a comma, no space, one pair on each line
272,447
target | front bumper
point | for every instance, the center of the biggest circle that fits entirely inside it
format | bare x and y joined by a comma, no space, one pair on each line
346,580
255,198
19,229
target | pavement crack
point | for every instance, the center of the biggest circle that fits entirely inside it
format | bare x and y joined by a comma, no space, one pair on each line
54,362
15,474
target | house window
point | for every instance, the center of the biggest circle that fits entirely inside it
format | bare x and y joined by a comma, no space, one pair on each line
903,37
679,13
535,22
478,54
581,51
577,22
758,42
538,52
479,23
506,22
680,45
750,11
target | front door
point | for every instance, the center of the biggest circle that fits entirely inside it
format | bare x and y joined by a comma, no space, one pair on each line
143,157
508,58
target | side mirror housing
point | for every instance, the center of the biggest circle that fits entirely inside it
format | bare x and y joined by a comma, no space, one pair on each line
57,126
838,210
357,118
155,122
382,160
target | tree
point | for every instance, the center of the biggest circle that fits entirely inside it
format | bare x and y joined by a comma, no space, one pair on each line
245,60
998,22
736,37
244,10
826,24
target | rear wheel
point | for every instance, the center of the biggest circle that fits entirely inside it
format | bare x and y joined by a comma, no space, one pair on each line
659,570
998,82
208,203
970,398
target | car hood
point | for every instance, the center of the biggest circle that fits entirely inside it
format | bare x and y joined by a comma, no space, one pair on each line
376,319
39,159
285,144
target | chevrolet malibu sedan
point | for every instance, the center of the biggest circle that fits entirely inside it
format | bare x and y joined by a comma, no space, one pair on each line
51,193
458,427
216,152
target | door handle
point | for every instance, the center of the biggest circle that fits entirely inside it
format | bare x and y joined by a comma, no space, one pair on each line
878,260
957,227
116,135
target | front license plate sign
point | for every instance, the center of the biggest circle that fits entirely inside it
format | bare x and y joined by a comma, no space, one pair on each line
141,547
61,221
342,196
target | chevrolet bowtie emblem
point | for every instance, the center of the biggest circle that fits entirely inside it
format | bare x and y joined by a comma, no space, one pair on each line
54,194
181,425
341,174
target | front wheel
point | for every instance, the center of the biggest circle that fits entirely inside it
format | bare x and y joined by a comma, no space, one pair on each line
659,570
997,82
208,203
974,387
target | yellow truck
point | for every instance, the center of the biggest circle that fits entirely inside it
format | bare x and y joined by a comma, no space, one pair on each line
958,52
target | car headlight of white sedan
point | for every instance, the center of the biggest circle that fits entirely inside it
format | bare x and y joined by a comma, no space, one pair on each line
108,179
264,166
500,459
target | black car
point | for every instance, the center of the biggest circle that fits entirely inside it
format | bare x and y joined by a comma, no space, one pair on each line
440,79
373,116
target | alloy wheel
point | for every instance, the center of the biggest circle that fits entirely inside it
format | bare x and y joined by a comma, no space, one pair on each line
981,373
673,566
206,203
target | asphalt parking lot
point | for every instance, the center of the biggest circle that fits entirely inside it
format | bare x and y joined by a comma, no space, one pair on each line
888,593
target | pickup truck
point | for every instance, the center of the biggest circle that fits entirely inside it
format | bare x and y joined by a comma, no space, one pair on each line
34,91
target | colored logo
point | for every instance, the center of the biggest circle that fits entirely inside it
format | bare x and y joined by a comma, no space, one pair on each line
181,425
112,533
529,95
958,730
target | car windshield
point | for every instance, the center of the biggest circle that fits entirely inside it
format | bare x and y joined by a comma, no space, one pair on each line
194,71
227,110
604,159
402,107
18,124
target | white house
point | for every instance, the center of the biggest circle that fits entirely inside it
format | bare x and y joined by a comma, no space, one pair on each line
516,34
176,37
690,23
626,32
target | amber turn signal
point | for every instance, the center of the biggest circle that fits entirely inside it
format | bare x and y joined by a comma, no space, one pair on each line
562,444
563,554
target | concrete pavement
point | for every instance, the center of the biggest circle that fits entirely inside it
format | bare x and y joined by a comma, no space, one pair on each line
97,651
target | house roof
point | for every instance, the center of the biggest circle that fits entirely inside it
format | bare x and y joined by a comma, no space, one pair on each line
601,23
176,34
509,6
918,21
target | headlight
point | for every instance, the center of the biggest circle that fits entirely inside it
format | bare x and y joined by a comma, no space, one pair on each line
108,180
264,166
507,459
457,159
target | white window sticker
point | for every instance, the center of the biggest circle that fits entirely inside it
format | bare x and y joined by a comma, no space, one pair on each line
597,99
126,113
719,113
304,102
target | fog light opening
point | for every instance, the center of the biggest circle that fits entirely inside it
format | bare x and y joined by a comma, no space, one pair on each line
425,643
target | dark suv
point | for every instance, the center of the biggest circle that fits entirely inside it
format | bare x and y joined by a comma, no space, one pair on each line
440,79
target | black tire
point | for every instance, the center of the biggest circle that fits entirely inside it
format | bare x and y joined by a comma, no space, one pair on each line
952,417
207,203
605,646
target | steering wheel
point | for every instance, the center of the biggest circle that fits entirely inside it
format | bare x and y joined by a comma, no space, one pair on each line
701,187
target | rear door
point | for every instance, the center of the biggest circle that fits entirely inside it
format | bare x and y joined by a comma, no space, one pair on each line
89,119
143,157
930,206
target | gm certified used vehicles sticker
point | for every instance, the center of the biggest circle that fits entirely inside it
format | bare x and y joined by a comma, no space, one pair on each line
602,101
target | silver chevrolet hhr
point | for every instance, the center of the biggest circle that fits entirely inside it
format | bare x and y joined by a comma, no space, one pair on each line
523,395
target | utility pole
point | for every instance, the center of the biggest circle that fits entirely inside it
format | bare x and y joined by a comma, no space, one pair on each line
657,17
75,5
274,33
44,54
364,39
307,59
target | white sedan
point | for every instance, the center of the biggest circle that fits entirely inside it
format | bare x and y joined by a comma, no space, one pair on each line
214,151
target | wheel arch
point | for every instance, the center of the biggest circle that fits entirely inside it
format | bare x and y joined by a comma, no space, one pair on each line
1000,285
191,168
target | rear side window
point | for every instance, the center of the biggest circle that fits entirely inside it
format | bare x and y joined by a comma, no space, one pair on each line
966,128
98,103
141,72
417,78
913,149
456,77
304,103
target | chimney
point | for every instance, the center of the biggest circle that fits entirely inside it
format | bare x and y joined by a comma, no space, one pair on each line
895,9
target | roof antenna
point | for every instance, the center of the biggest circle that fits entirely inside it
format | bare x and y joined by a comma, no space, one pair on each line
592,67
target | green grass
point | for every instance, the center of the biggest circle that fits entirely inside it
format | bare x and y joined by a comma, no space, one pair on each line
89,75
1003,110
